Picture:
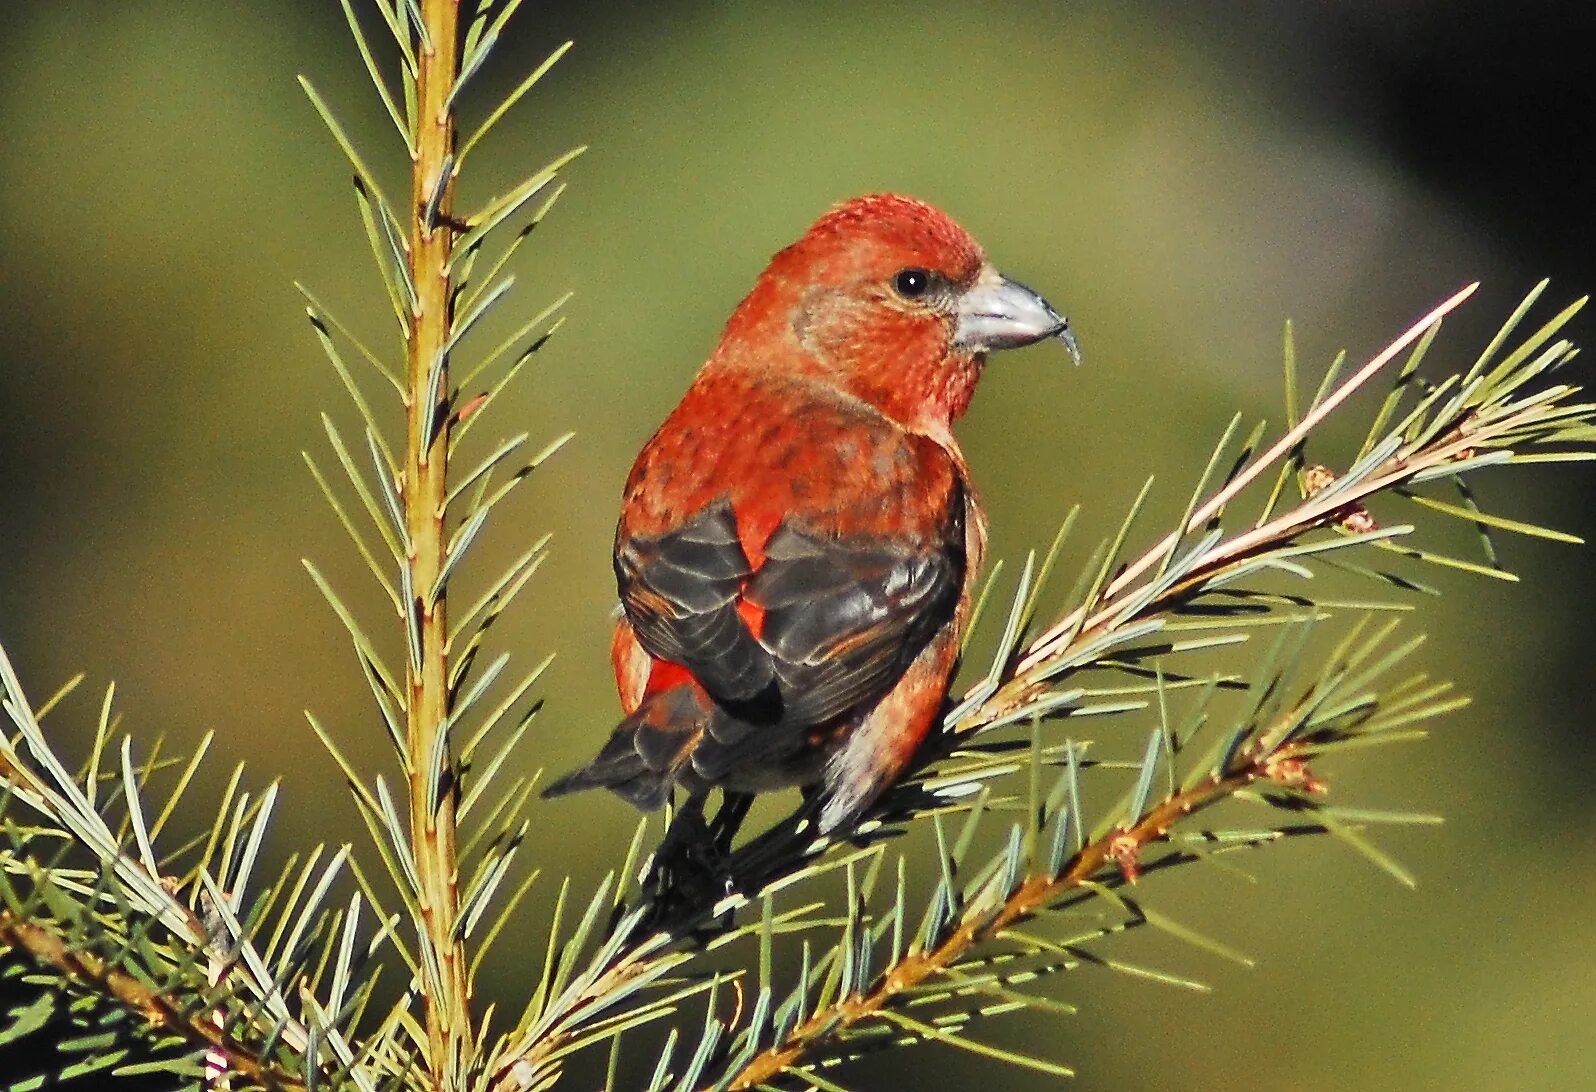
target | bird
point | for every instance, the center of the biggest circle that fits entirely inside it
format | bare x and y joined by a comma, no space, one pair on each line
798,540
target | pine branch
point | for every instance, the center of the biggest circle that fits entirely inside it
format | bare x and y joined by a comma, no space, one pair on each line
269,977
1119,850
90,975
447,877
124,917
1482,425
433,781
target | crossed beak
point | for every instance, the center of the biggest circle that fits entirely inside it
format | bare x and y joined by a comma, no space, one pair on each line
997,313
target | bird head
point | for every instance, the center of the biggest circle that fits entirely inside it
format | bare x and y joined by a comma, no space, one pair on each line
896,303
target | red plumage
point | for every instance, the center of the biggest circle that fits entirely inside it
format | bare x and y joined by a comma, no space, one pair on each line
798,540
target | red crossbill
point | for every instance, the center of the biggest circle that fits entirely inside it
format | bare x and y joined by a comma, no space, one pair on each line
798,542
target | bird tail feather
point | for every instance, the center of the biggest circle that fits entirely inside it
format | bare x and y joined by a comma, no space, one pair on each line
646,752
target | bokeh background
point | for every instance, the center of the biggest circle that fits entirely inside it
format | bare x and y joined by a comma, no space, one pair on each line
1178,177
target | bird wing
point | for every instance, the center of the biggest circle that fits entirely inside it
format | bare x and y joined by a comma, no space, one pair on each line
843,617
835,618
681,589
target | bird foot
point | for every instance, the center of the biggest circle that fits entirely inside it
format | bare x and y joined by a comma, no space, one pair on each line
692,868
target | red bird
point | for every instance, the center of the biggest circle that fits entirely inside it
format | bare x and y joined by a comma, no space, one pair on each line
798,541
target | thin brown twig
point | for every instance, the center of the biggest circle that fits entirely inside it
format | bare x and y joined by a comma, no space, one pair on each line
45,947
1090,620
1113,850
1087,625
1039,649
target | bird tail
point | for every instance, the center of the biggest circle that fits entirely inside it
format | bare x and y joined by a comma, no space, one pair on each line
647,752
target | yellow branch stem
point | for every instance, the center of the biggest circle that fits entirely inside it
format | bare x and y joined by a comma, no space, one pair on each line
446,985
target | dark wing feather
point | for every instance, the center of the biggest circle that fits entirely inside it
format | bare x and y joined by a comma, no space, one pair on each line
647,751
844,618
680,591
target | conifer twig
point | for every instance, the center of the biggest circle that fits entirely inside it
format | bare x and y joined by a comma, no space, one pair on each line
92,974
424,488
1165,548
1118,849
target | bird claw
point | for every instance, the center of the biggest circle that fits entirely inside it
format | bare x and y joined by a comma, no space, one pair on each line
692,868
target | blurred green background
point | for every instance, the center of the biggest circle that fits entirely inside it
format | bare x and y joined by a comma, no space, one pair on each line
1178,178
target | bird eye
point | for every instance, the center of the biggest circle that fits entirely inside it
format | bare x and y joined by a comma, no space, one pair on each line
911,283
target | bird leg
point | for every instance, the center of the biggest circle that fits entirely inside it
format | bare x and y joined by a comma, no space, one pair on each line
728,821
691,869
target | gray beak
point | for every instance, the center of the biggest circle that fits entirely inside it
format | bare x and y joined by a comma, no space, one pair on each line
997,313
